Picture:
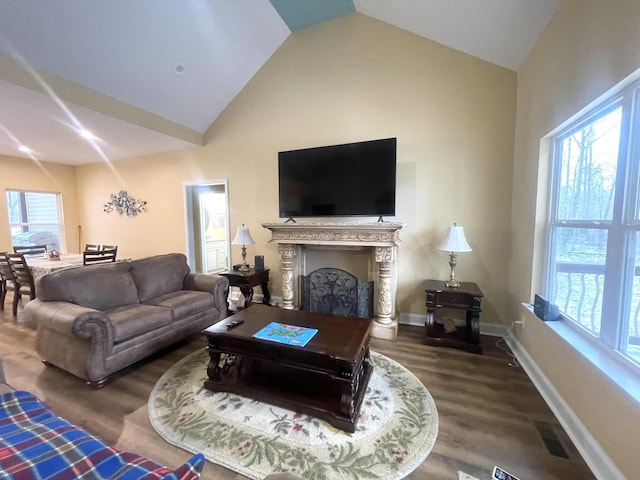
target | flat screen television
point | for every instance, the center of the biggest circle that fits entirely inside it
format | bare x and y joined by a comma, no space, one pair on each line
352,179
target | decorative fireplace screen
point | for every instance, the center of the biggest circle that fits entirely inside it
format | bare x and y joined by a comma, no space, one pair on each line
335,291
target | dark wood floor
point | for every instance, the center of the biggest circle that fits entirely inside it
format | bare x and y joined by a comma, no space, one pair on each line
489,412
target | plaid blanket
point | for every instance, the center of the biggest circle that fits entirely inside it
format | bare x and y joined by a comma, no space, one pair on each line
37,444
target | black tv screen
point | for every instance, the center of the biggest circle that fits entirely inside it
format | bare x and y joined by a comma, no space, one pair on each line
353,179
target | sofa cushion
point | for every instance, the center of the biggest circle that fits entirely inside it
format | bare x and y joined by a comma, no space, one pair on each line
35,443
101,287
130,321
155,276
184,303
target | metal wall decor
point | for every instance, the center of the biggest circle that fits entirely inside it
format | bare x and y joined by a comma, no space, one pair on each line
124,204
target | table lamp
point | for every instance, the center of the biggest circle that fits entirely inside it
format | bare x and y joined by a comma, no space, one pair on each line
243,237
454,243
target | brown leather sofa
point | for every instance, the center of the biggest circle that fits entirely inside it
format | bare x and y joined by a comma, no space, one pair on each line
95,320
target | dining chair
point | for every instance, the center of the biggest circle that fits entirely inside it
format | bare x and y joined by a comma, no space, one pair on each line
7,282
30,249
91,247
101,256
24,283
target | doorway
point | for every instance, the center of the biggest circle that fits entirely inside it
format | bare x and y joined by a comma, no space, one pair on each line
207,226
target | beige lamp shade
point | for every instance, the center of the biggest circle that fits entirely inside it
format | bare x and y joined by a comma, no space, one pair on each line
455,240
243,236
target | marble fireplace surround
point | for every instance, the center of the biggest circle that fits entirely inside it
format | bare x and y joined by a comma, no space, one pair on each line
381,239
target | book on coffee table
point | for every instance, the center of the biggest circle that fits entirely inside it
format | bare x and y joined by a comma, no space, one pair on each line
287,334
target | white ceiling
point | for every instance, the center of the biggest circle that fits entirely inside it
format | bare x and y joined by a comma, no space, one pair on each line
149,76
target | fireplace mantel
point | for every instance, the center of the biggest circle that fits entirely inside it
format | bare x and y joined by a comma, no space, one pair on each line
378,234
381,238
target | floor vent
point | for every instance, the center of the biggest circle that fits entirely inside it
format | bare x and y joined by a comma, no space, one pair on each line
550,439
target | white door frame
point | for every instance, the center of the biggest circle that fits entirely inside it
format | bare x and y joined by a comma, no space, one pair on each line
188,210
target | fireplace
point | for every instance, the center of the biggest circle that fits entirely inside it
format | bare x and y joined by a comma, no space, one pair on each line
377,241
335,291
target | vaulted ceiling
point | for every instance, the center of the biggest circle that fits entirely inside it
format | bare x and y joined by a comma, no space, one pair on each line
148,76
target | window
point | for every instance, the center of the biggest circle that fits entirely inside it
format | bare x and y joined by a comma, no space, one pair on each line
34,218
594,224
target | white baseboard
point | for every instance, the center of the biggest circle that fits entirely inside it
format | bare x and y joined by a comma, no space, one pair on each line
274,300
597,460
257,298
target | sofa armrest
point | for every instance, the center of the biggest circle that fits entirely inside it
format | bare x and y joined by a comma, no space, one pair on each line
71,320
217,285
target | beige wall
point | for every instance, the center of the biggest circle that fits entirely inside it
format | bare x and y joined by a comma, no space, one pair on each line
588,47
159,181
24,174
348,80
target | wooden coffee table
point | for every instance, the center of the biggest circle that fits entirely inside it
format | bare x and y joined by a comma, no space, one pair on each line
327,378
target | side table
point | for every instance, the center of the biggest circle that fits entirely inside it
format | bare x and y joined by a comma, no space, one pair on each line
466,297
247,280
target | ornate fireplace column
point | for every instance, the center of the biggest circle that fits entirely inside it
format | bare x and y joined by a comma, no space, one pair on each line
382,238
288,254
384,259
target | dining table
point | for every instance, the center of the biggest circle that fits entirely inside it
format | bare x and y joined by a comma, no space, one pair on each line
41,265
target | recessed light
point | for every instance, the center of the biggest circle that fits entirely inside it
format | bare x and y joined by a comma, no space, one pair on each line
179,69
24,149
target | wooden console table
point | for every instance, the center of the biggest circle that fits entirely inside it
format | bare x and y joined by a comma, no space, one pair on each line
247,280
466,297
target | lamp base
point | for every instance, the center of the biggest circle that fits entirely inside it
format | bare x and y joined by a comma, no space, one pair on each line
452,276
244,267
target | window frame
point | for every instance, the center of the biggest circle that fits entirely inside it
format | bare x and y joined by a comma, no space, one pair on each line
623,229
25,225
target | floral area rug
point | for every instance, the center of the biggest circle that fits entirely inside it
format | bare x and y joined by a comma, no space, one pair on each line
396,429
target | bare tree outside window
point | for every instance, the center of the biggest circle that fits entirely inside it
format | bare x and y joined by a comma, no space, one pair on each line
593,270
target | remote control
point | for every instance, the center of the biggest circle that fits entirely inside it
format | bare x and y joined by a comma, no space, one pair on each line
500,474
234,324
